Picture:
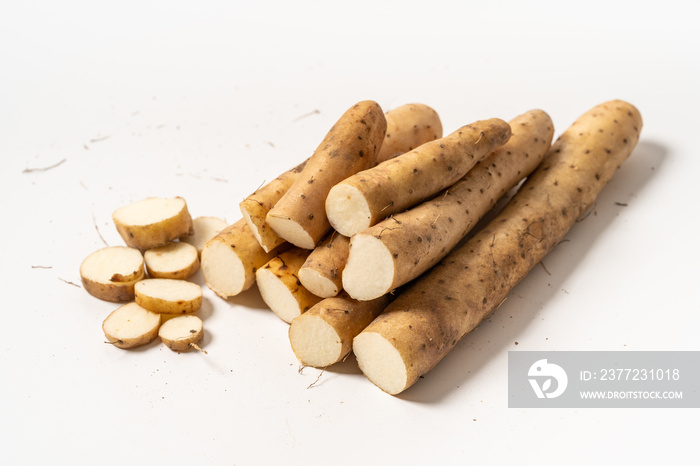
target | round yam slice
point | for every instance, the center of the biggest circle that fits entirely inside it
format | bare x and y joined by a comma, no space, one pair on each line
131,325
110,273
168,296
153,222
182,333
174,260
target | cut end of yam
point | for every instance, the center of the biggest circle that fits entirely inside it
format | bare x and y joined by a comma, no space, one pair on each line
314,341
369,272
131,325
291,231
153,222
381,362
347,210
223,270
176,260
167,296
316,283
182,333
110,273
276,295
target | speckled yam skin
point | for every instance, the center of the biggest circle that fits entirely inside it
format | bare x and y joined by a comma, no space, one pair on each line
256,206
425,322
408,126
408,179
350,146
418,238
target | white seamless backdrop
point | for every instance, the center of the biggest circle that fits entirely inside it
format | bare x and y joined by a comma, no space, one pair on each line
206,100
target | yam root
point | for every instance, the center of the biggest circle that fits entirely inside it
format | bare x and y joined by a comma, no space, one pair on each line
350,146
399,249
280,288
424,323
408,126
323,335
364,199
322,272
230,260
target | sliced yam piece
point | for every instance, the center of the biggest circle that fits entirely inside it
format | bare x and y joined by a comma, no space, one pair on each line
280,288
350,146
182,333
110,273
323,335
205,228
230,259
363,199
153,222
168,296
322,272
131,325
175,260
399,249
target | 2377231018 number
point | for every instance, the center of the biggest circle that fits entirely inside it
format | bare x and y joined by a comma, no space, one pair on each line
640,374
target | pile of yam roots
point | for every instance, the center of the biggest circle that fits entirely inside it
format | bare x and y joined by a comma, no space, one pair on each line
367,246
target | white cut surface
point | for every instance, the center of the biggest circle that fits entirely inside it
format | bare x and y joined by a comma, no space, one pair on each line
380,361
180,332
253,227
167,295
291,231
316,283
276,295
205,228
369,271
112,264
171,258
347,210
149,211
131,322
314,341
223,270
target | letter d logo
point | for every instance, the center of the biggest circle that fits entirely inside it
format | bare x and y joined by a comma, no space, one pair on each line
543,370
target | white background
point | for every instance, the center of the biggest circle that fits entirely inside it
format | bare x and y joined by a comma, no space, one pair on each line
206,100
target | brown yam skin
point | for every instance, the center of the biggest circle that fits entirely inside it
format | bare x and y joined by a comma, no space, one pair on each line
258,204
239,238
350,146
149,236
329,258
401,182
425,322
286,267
348,316
418,238
408,127
119,291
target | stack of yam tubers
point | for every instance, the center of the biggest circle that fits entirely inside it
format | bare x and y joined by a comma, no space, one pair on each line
369,245
362,247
